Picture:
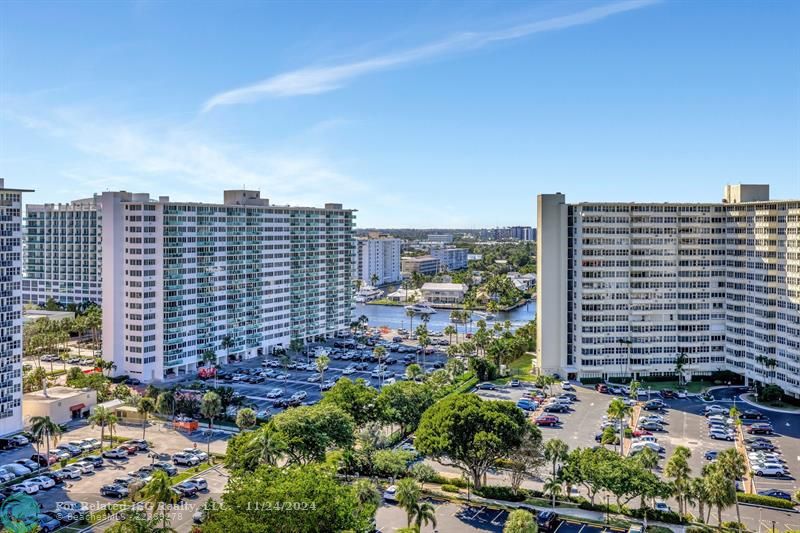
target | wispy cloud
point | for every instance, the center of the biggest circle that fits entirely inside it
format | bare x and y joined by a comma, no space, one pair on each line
173,159
316,80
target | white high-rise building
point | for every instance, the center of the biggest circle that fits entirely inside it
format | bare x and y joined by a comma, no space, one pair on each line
450,258
62,258
11,305
179,279
624,288
377,260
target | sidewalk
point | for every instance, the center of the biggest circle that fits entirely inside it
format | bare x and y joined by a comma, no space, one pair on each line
566,512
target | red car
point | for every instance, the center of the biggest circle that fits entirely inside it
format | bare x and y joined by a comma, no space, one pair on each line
638,432
547,420
130,448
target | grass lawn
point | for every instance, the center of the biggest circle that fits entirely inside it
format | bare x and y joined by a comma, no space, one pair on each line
520,369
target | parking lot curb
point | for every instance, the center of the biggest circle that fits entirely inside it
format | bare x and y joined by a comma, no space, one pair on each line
794,510
743,398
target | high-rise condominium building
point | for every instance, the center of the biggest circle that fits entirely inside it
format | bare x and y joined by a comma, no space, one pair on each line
625,288
182,279
377,260
11,305
62,259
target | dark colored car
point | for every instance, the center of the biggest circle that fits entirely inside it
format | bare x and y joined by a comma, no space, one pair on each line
41,459
711,455
758,428
187,490
667,393
547,420
141,444
761,445
487,386
774,493
113,491
95,460
280,402
556,408
166,467
752,415
546,520
601,387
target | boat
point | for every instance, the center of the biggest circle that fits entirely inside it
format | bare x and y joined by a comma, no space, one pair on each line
367,294
484,315
421,308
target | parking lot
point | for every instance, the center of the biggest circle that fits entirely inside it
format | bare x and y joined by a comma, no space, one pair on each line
684,425
294,378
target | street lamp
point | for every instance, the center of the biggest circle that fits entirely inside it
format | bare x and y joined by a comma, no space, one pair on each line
607,508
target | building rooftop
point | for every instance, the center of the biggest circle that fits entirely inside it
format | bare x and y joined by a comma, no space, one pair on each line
444,287
419,259
54,394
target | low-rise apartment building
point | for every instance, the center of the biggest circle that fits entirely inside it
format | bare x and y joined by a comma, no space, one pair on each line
425,264
444,293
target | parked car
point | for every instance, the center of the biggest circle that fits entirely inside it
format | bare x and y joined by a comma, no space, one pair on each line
43,460
711,455
601,387
84,446
556,408
759,428
636,447
124,481
113,491
200,454
27,463
85,467
761,445
47,523
662,507
70,472
527,405
566,385
546,520
768,469
487,386
200,483
547,420
721,434
141,444
27,486
752,415
166,467
73,450
186,489
185,459
390,494
652,426
17,469
44,482
115,453
775,493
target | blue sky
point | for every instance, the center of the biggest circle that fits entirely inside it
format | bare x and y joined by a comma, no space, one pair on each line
418,114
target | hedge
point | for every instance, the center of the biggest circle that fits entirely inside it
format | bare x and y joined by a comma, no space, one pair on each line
502,493
443,480
769,501
591,381
450,488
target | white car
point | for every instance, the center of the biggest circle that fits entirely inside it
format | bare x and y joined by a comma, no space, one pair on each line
19,440
27,486
566,385
390,494
275,393
638,446
71,472
200,454
716,410
720,434
720,418
314,378
299,395
84,466
682,393
199,482
662,507
6,476
44,482
768,469
349,370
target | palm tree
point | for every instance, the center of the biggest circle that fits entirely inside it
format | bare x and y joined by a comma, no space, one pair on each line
211,408
449,330
680,362
732,463
373,279
554,451
366,492
408,495
618,410
137,521
112,422
412,371
267,444
410,315
159,493
424,514
322,363
647,458
145,407
226,344
94,321
379,352
42,427
100,417
678,468
697,490
552,486
721,492
422,338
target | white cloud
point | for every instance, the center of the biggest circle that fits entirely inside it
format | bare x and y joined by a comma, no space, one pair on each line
177,160
316,80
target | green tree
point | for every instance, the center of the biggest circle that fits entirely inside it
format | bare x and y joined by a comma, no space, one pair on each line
210,408
245,418
413,371
44,429
555,451
145,407
450,330
648,458
403,403
422,473
618,411
165,403
520,521
527,458
424,514
552,486
410,315
100,417
138,521
391,463
720,492
470,434
408,495
158,492
309,431
322,363
355,398
732,463
246,451
678,469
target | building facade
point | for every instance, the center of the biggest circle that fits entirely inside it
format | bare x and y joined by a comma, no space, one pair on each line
623,289
424,264
11,305
180,279
450,258
62,259
444,293
377,260
441,238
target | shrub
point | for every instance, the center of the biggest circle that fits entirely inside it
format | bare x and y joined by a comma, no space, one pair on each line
450,488
443,480
657,516
733,526
770,393
591,381
769,501
699,529
628,433
502,493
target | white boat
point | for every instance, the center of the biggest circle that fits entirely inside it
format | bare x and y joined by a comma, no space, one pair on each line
367,294
421,308
484,315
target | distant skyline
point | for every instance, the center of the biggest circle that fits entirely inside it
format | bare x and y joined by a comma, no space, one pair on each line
419,115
